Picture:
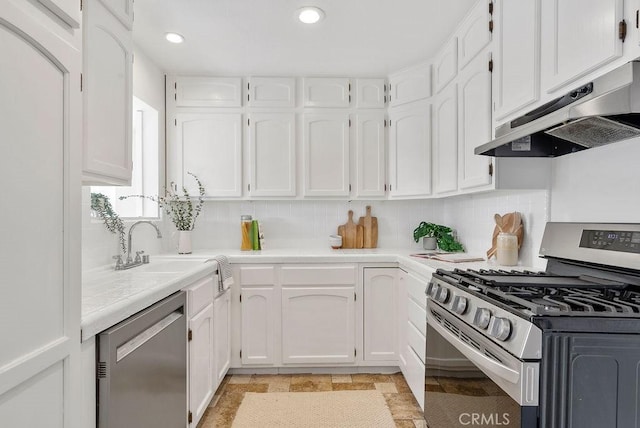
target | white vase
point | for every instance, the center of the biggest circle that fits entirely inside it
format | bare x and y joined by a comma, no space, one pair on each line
184,242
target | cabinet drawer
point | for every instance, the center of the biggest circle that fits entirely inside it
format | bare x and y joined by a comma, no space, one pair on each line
416,288
257,275
417,315
414,375
200,294
416,341
319,275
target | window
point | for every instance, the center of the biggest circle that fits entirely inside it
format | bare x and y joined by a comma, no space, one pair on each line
145,178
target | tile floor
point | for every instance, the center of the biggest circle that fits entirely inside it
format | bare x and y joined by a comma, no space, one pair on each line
404,408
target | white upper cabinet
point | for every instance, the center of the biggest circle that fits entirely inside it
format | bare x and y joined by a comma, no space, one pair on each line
108,97
410,85
208,145
326,154
474,123
578,36
410,151
326,92
271,92
371,93
445,141
121,9
67,10
208,92
370,155
475,32
445,65
273,155
516,56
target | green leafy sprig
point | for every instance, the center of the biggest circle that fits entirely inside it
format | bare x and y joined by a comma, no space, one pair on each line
180,208
101,205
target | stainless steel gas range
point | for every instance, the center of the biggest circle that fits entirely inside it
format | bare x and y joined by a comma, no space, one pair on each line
552,349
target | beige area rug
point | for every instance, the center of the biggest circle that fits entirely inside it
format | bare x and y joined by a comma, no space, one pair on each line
333,409
451,410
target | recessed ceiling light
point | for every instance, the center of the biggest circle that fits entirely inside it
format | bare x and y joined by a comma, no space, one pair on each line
174,37
310,14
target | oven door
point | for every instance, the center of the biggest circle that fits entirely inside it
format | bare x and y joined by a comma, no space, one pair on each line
470,381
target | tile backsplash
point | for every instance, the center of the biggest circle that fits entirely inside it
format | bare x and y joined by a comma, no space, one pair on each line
307,224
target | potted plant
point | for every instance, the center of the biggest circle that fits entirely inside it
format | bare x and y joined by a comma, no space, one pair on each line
435,235
181,209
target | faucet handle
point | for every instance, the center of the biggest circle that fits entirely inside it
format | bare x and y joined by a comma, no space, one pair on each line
137,259
118,260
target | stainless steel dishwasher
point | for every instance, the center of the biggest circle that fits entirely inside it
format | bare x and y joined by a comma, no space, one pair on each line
142,368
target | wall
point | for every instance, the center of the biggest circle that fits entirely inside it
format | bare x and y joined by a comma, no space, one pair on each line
98,245
599,185
472,217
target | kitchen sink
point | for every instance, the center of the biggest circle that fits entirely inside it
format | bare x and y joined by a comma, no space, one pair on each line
169,266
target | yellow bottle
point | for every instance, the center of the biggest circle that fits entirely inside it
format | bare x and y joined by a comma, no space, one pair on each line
245,228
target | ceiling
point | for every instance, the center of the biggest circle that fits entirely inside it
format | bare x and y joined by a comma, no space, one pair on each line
249,37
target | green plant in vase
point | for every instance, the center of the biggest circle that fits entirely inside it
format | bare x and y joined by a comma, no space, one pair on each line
441,234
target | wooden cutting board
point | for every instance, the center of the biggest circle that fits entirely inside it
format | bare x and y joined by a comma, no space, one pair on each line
370,229
352,234
509,226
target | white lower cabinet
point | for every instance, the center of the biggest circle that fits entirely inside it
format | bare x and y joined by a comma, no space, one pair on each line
221,336
380,314
258,325
318,325
202,380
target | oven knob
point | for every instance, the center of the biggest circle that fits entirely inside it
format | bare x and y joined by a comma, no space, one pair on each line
432,288
481,318
500,328
442,295
459,305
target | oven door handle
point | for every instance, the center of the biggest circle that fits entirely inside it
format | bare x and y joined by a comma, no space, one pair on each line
504,372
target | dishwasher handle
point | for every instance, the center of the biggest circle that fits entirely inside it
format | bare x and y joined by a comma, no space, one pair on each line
140,339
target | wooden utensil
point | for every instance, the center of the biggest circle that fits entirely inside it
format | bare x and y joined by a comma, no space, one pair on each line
350,233
359,236
508,226
498,218
370,229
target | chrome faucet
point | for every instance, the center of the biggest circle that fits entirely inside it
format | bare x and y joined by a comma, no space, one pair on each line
130,262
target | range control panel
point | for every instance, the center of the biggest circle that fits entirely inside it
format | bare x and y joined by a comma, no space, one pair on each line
611,240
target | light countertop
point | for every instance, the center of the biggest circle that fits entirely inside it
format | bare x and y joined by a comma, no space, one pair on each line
110,296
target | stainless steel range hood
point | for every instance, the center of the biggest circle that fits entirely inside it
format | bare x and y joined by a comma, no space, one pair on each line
604,111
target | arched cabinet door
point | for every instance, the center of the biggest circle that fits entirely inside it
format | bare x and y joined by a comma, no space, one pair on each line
108,97
39,300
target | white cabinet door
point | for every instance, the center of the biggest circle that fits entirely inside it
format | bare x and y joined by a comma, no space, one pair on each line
370,155
108,97
445,65
271,92
221,336
208,92
272,139
409,85
401,322
201,362
326,154
516,51
474,33
208,145
410,151
67,10
371,93
259,313
326,92
445,140
40,129
474,123
318,325
578,36
380,314
121,9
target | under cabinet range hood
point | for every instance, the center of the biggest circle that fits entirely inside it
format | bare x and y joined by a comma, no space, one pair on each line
604,111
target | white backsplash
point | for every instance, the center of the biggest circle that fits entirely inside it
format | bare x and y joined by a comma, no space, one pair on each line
472,217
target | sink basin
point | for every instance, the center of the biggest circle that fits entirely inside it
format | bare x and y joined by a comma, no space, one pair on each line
168,266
